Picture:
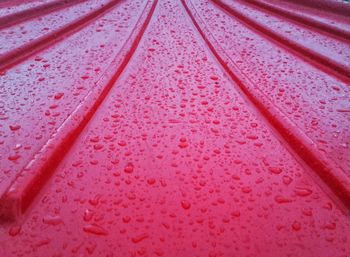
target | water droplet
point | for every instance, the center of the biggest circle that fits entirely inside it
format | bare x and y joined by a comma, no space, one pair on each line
275,170
88,214
139,238
126,219
246,189
151,181
183,143
303,191
129,168
95,229
14,231
58,96
15,127
296,226
52,220
282,199
185,204
14,157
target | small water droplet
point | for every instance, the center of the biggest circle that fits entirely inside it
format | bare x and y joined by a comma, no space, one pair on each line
185,204
14,231
95,229
129,168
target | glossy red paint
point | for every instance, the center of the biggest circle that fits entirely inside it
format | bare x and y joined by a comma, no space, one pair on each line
174,128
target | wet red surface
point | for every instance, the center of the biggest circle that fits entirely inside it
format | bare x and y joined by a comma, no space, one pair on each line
174,128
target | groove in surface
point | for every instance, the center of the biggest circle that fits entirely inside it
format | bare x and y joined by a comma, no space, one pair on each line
29,182
35,12
299,142
23,52
314,58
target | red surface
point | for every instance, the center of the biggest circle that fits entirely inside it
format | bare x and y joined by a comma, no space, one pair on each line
17,13
174,128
